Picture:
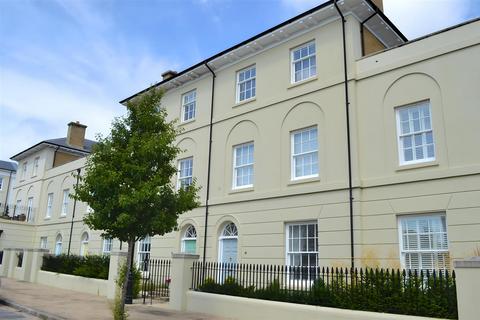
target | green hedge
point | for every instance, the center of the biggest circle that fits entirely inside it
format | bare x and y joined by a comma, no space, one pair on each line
92,266
378,292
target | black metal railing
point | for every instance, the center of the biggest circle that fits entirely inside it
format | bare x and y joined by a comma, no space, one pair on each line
155,279
423,293
17,212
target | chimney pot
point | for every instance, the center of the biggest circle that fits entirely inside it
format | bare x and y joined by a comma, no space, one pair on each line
76,134
168,74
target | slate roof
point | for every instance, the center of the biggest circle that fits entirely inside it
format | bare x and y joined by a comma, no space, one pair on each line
8,165
59,142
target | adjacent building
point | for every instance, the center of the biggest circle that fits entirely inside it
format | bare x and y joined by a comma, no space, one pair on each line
41,212
8,172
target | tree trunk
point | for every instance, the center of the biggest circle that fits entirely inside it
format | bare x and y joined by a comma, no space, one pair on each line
131,247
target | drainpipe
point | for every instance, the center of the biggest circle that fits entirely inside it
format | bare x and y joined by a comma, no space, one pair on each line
209,163
347,113
73,214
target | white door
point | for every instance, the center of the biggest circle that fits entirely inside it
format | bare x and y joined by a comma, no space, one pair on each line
229,250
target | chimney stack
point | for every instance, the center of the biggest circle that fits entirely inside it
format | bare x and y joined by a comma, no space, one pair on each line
76,134
168,74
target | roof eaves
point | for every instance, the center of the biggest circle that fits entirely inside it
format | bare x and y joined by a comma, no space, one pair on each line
270,30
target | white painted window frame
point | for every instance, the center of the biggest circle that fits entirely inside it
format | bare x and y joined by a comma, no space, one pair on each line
235,166
65,202
43,242
187,104
1,183
294,282
24,170
251,79
401,154
35,166
181,178
141,253
293,61
188,236
107,245
48,213
30,213
402,252
293,155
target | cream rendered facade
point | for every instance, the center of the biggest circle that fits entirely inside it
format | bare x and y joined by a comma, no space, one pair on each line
442,68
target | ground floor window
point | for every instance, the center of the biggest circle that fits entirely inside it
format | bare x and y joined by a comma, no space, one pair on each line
302,248
143,253
189,240
424,242
107,245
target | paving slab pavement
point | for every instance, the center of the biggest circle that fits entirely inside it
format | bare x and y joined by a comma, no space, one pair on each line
59,304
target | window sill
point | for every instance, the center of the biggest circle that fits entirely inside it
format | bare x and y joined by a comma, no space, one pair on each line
186,122
417,165
303,180
240,190
62,216
299,83
47,218
241,103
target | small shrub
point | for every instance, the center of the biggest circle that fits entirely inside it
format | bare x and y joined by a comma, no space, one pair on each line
137,279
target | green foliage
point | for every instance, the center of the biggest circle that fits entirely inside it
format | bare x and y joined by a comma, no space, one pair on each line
117,307
137,279
92,266
127,181
376,291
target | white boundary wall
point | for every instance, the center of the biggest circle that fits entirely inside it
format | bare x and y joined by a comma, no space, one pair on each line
97,287
245,309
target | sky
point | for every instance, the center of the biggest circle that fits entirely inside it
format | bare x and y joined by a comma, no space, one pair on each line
73,60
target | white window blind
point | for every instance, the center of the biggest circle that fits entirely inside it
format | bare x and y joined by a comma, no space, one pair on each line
424,242
302,247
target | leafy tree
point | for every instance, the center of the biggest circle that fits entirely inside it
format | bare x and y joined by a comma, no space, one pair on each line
127,181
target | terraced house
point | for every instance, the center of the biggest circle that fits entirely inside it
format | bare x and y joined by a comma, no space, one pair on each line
331,140
316,112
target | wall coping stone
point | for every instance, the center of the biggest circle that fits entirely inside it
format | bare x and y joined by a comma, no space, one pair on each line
473,262
185,256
